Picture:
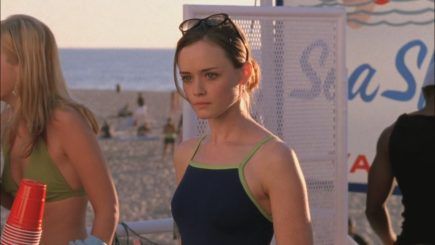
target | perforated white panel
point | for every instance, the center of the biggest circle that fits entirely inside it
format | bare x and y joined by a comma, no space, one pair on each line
302,98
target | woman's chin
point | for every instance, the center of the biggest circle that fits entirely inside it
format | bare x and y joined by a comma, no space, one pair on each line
203,115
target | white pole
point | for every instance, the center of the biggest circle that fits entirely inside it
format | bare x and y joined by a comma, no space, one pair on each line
266,3
145,227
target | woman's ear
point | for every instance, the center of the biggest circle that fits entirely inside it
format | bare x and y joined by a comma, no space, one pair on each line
246,73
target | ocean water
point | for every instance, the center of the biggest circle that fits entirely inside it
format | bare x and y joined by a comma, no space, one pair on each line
133,69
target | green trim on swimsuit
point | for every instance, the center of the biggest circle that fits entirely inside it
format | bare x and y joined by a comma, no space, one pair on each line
206,166
243,178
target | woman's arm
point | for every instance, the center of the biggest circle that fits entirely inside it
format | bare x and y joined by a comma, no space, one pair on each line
285,185
81,148
380,185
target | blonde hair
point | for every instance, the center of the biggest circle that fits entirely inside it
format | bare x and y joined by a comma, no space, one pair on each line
40,88
230,37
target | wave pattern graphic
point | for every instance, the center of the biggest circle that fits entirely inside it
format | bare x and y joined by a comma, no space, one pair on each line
333,3
383,22
401,12
393,11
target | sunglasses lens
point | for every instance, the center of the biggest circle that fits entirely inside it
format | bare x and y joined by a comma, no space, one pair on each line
189,24
215,20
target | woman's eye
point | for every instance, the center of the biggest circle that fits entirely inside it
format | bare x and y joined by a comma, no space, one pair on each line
186,79
211,75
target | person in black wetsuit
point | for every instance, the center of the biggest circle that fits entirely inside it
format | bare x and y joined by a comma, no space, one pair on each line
405,153
239,184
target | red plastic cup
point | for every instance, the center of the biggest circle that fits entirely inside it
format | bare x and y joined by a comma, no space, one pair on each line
382,2
19,239
28,208
15,236
22,233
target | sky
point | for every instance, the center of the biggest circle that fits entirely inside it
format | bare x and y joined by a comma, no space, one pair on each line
110,23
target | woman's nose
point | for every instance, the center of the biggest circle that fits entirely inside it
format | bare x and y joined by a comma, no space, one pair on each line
198,89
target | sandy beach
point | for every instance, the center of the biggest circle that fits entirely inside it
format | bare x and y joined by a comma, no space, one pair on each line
145,182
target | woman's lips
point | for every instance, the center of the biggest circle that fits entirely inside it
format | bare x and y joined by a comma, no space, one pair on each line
201,104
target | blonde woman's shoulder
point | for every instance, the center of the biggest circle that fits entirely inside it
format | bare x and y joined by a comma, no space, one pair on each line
65,112
66,118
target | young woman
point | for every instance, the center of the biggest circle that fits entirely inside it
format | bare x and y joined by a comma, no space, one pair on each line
48,137
240,184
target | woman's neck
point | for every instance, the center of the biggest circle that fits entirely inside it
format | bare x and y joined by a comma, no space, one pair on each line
230,126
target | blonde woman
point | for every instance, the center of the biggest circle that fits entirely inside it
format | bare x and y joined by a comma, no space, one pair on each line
240,184
48,137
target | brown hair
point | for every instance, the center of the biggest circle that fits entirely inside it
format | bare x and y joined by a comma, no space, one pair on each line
230,37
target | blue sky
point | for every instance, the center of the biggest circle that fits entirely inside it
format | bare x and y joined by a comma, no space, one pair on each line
110,24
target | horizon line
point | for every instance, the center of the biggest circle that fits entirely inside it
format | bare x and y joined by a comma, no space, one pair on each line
124,48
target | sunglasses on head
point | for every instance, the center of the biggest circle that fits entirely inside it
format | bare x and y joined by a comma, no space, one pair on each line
211,21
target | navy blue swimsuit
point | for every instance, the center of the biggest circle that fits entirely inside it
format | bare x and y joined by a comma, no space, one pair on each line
213,205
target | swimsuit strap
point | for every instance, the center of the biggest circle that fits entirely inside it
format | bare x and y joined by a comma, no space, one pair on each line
197,146
255,149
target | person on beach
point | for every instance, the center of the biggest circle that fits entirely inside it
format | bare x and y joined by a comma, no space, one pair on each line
118,88
169,136
405,154
49,138
140,101
105,131
240,184
180,129
140,117
124,111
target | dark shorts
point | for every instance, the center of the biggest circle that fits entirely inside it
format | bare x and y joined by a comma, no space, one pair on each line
169,140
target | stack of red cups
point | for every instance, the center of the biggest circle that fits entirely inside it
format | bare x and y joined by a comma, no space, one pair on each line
24,223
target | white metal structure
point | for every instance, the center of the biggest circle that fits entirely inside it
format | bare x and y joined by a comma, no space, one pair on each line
147,227
302,98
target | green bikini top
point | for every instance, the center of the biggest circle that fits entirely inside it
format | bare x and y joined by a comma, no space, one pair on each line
40,168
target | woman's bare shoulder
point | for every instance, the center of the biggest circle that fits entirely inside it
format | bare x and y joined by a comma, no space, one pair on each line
184,150
276,154
278,148
66,115
275,150
66,120
279,166
182,155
